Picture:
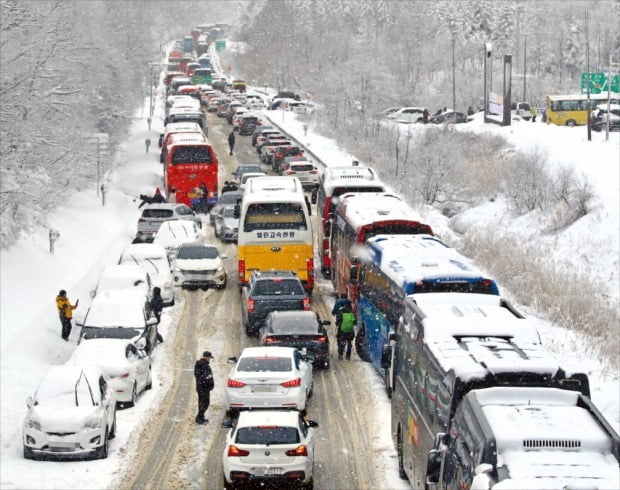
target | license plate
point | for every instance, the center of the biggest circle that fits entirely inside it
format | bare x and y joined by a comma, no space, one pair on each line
263,389
64,445
273,471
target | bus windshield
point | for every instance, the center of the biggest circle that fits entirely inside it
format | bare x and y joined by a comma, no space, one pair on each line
275,216
191,154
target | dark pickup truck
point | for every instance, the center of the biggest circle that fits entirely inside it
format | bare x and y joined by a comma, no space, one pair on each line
270,291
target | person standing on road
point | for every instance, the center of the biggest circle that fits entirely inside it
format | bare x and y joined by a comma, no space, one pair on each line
345,330
533,113
231,141
204,385
157,305
65,312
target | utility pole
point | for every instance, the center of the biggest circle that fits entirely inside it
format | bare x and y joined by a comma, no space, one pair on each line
453,30
524,67
589,113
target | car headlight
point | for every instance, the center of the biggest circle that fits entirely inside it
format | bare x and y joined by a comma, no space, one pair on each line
176,269
33,423
92,422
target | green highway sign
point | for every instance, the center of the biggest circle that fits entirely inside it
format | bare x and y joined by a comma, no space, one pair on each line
598,83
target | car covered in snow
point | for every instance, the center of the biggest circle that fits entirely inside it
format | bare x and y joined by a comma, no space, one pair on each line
71,415
172,234
127,366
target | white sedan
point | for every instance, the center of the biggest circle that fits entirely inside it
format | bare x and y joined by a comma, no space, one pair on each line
127,366
269,377
270,447
72,414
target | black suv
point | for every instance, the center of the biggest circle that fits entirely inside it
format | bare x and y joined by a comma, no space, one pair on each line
268,291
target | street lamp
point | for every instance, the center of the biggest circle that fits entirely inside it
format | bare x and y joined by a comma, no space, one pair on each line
453,31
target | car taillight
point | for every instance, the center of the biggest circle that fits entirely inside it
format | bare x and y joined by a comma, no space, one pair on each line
234,451
290,172
298,451
250,305
314,172
322,338
270,340
325,245
294,383
141,220
306,303
310,271
233,383
279,155
242,271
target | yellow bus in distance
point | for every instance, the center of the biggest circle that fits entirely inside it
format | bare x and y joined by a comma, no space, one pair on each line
572,110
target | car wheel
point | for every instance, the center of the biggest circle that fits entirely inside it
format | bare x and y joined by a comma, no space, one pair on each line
134,396
29,453
149,381
204,288
360,345
102,452
223,285
225,484
326,364
571,123
113,429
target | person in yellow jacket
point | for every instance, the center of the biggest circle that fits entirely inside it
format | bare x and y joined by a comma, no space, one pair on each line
65,312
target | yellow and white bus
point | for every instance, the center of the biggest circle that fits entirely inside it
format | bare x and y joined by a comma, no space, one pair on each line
275,232
572,110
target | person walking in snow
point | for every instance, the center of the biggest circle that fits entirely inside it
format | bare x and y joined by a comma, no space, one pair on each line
157,305
231,141
345,330
65,312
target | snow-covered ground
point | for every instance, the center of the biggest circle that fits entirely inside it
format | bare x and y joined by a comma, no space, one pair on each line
93,236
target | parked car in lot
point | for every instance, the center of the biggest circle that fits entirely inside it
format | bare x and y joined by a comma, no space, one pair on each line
172,234
226,198
268,291
199,265
450,117
71,415
227,224
153,215
127,366
119,315
154,259
269,377
299,329
270,448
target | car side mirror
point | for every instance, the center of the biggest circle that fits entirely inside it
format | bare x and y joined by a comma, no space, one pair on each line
433,466
232,360
386,356
224,256
93,293
141,345
311,423
29,401
326,322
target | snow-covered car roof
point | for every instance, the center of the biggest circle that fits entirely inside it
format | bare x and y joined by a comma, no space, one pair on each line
101,352
142,251
116,309
68,386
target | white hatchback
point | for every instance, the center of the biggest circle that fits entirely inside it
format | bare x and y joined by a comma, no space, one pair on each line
270,447
72,414
269,377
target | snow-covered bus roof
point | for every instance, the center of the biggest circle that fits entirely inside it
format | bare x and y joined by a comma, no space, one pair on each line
369,207
344,176
410,259
271,186
547,438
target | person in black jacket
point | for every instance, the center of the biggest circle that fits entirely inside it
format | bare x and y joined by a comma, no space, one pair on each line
204,385
157,305
231,141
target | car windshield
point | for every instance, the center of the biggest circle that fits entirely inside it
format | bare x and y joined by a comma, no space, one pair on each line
197,253
110,333
229,212
278,288
157,213
295,326
265,363
267,435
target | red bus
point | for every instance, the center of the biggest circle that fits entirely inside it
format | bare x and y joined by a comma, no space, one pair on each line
358,217
190,162
334,182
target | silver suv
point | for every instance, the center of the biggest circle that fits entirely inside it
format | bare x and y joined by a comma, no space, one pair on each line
154,215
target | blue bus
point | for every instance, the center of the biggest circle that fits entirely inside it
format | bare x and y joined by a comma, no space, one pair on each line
393,267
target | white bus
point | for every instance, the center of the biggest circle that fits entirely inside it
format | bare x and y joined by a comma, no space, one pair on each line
275,232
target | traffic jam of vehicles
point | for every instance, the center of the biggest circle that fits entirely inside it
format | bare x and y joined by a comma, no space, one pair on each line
476,400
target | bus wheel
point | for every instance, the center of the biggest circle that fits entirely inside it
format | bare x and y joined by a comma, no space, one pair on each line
570,123
388,388
361,346
399,448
